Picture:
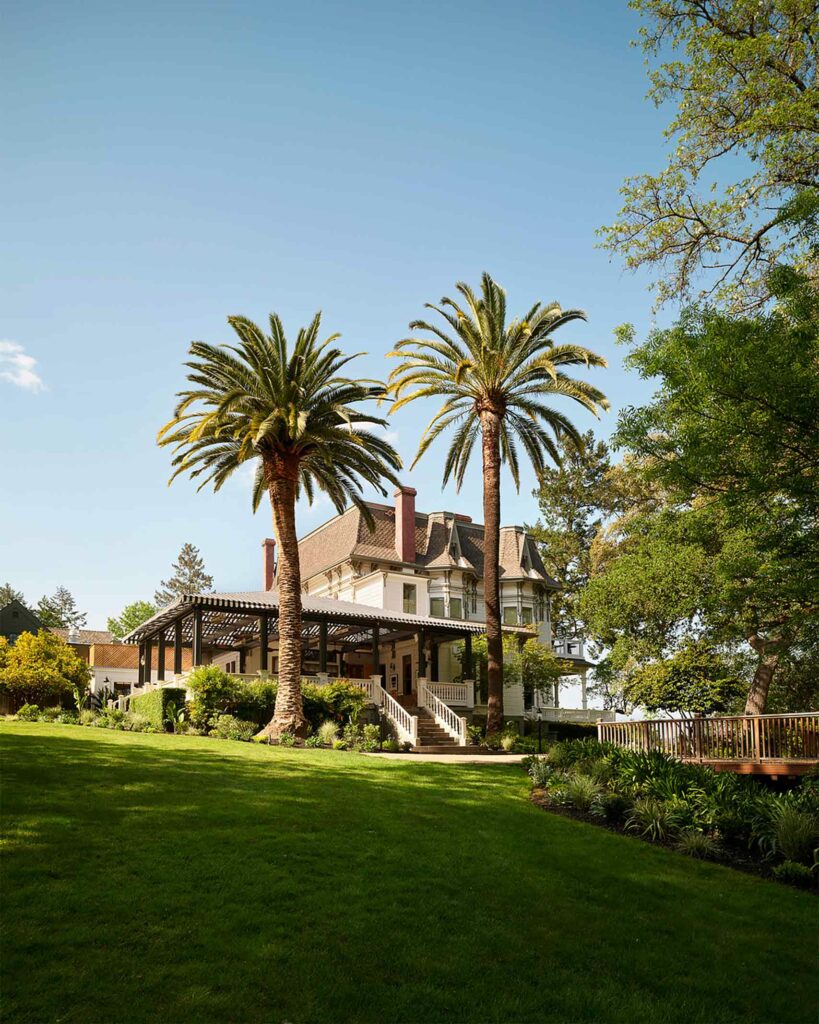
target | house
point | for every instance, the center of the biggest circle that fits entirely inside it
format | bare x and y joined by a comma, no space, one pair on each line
15,619
114,665
392,607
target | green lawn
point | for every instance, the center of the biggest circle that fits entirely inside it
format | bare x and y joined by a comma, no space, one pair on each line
161,878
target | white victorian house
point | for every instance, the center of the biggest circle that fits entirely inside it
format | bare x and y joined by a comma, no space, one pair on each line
389,606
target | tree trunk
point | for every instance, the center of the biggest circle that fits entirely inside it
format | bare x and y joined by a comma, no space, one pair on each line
761,684
281,476
490,426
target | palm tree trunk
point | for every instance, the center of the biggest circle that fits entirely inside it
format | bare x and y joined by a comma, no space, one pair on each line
490,427
281,476
761,683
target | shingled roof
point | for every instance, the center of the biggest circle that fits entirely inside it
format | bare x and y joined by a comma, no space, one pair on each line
84,636
348,537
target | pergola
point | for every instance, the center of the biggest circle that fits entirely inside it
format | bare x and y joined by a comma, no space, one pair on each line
210,623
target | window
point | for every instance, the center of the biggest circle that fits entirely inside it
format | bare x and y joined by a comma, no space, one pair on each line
456,610
510,615
436,607
526,616
410,603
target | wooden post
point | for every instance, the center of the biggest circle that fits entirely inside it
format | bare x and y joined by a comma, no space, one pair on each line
160,657
323,647
376,654
147,661
263,643
242,661
757,744
422,658
197,637
698,737
177,647
433,663
141,669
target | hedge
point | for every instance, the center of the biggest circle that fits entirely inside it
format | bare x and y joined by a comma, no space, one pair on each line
154,704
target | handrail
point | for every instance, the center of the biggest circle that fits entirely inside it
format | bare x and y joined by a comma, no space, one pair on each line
406,725
443,714
793,737
451,693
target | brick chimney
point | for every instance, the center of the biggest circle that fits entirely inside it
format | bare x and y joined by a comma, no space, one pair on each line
405,523
269,563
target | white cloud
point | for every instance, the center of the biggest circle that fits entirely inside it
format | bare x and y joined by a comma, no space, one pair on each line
18,368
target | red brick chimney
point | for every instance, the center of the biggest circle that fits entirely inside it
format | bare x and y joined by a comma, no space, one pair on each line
405,523
269,562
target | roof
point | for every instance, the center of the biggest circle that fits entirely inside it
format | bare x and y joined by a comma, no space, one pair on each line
436,535
84,636
316,608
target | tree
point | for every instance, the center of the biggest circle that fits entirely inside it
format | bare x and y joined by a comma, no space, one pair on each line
493,377
694,680
292,412
42,668
743,75
131,616
731,435
9,594
60,611
533,663
574,498
189,577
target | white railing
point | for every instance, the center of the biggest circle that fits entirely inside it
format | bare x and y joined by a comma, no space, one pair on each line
406,725
572,714
443,714
454,693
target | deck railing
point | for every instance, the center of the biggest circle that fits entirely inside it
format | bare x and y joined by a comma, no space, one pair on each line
751,738
443,714
462,694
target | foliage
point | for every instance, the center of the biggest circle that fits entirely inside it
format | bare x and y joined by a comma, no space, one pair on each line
327,733
131,616
214,691
226,727
611,807
795,833
743,73
390,745
698,844
189,577
135,722
154,704
793,873
574,499
28,713
60,611
286,739
534,664
581,792
41,668
693,680
8,594
652,819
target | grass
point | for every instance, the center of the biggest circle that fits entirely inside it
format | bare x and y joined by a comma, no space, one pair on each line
181,879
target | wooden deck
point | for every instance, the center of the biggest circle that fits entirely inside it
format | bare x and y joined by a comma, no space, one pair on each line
772,745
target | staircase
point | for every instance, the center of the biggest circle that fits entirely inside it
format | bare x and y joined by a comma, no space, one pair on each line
432,739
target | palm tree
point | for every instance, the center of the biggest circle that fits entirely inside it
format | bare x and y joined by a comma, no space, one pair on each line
294,414
493,376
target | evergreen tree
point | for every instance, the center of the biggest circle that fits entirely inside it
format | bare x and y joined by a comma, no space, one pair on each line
189,577
60,611
9,594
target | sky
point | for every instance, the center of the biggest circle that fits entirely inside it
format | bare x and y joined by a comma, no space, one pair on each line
166,165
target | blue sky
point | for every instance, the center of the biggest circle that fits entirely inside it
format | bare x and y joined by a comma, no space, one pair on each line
166,165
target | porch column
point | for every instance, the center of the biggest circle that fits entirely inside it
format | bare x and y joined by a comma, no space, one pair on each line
583,697
160,657
433,663
467,665
376,653
340,663
197,637
323,647
242,661
141,668
557,693
147,661
263,643
177,647
422,658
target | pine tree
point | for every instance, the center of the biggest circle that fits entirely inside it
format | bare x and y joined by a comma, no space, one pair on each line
189,577
9,594
60,611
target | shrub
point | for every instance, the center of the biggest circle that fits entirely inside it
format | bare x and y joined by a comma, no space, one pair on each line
475,734
698,844
41,668
392,746
154,704
88,717
50,714
581,792
214,693
28,713
652,819
286,739
327,733
313,741
339,744
226,727
540,771
112,718
135,722
508,742
793,873
611,807
795,832
67,717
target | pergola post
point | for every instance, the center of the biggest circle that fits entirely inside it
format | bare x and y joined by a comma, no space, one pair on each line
141,666
177,647
422,657
147,661
376,653
263,643
160,657
197,637
323,647
242,661
467,665
433,663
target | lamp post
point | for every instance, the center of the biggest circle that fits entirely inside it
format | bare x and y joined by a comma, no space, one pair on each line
540,730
